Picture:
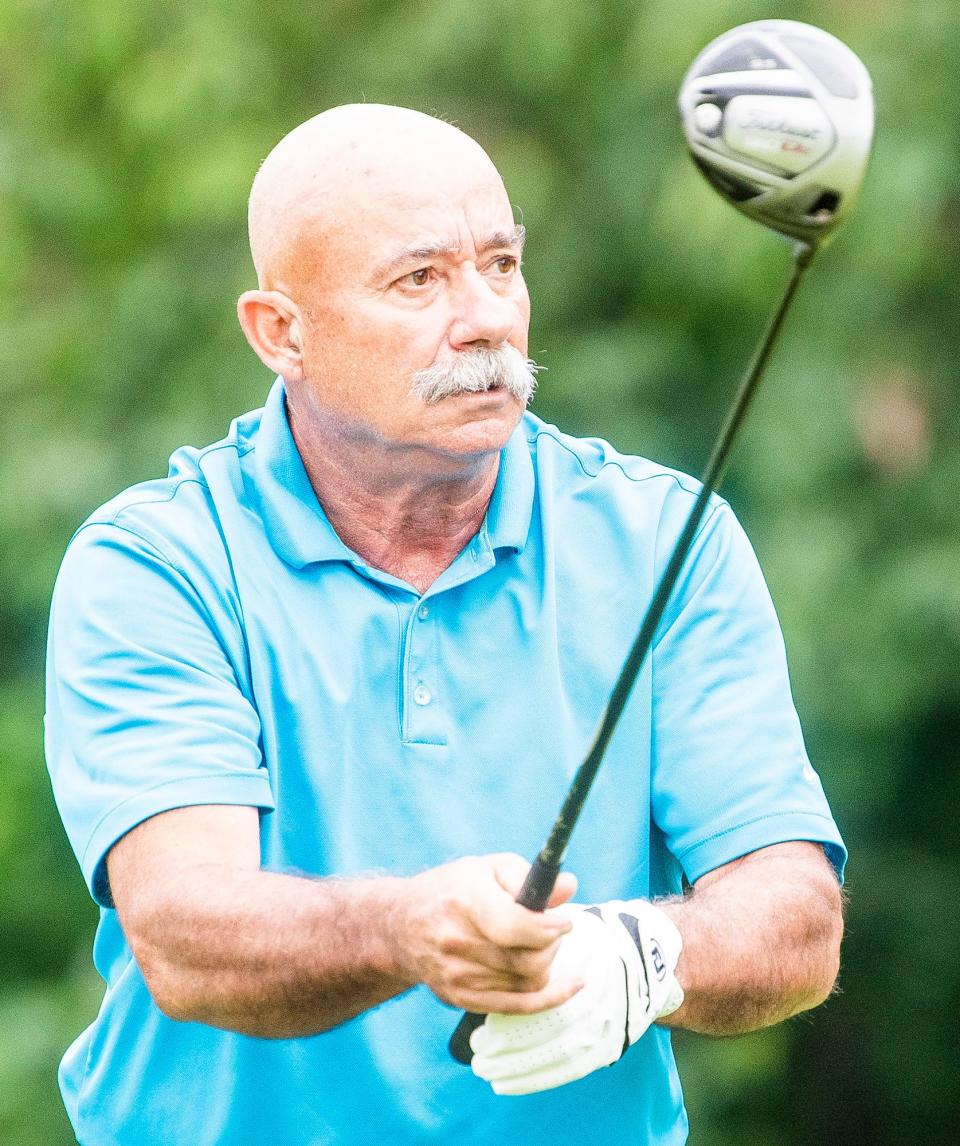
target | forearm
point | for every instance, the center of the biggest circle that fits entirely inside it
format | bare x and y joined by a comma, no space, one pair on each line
760,944
222,942
270,955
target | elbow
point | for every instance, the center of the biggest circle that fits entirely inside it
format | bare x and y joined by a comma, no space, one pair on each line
182,987
173,984
216,999
174,1006
822,984
831,960
825,939
168,987
186,997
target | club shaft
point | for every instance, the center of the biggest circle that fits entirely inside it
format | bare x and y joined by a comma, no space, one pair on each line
540,881
554,850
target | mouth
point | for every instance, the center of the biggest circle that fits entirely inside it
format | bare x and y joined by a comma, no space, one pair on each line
490,391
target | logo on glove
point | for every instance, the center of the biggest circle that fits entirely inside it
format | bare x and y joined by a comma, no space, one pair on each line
657,956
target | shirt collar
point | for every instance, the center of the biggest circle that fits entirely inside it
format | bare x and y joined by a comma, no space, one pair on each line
294,520
508,517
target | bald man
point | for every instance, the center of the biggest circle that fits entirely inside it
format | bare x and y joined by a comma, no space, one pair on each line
313,696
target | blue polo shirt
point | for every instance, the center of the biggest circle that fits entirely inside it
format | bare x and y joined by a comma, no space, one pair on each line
214,642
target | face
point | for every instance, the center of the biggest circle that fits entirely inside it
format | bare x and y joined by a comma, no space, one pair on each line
420,267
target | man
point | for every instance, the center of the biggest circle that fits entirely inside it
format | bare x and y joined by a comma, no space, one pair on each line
314,695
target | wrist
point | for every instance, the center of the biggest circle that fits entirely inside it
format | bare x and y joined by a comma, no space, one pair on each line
649,943
377,907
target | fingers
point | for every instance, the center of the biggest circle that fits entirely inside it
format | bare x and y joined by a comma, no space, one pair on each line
546,1078
511,1002
517,928
485,907
506,1037
523,1055
520,1054
511,871
482,977
506,964
564,890
474,947
537,1066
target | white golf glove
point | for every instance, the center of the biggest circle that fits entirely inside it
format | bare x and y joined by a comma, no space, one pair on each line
627,952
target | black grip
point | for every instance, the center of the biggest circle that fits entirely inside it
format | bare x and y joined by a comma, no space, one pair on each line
459,1043
535,895
538,886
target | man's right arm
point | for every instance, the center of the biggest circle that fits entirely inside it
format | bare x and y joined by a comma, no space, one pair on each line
222,942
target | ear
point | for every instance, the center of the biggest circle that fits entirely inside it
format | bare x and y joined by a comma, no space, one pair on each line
272,325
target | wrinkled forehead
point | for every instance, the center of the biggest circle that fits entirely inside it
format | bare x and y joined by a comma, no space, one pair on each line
381,237
410,201
398,180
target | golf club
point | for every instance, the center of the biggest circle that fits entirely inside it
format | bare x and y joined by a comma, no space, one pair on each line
778,116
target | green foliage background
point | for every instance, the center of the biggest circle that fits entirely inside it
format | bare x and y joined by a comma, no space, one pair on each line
128,138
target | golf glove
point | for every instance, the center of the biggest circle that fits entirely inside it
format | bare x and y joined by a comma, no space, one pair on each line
626,952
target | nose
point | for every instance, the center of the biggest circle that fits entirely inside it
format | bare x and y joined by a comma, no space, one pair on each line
481,315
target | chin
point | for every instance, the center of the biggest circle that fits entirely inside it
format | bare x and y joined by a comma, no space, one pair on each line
486,432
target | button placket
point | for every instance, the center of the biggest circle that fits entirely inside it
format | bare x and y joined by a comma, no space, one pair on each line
424,715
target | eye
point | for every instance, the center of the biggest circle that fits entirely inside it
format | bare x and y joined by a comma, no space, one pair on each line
506,264
419,277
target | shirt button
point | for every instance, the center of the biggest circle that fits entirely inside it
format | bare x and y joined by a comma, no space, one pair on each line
423,612
474,554
421,694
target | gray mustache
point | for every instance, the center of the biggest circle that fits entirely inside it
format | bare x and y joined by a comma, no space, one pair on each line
473,371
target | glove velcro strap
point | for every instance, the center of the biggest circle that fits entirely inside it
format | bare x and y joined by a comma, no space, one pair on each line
649,944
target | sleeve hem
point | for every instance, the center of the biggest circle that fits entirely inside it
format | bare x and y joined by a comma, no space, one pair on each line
761,832
236,788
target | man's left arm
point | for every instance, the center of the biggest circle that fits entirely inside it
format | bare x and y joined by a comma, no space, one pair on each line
739,810
761,940
754,941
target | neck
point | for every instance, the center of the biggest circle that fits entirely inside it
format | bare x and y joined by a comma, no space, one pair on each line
404,510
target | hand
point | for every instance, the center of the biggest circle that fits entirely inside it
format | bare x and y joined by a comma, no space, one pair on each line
458,929
626,954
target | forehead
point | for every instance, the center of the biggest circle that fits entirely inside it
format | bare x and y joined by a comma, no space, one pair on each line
388,210
363,175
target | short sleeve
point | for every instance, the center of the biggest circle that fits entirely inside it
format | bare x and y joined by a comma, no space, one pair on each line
145,706
730,772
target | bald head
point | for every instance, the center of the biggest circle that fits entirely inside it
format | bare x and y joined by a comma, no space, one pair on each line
338,162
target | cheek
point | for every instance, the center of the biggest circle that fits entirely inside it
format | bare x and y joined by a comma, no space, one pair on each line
521,329
365,352
363,365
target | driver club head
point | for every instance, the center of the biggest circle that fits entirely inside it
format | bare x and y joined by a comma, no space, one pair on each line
778,116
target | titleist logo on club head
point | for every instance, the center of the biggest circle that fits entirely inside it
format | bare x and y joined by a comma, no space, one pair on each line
757,121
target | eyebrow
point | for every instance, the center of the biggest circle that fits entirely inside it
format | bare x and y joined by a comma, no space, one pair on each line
424,252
